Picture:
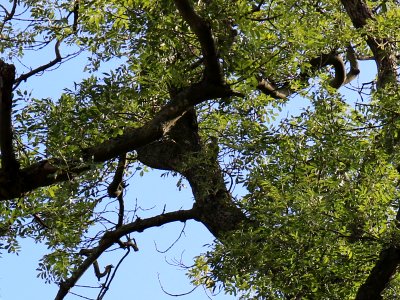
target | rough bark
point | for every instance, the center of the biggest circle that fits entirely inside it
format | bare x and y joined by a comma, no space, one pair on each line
182,151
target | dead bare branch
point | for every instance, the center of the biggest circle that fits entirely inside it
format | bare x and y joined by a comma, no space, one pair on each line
112,237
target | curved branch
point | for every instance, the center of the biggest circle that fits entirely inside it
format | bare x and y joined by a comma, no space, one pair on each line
269,88
354,68
9,14
42,68
111,237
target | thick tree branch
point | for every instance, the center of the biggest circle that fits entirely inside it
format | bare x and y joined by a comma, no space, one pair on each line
134,138
183,152
202,30
48,172
112,237
380,275
9,163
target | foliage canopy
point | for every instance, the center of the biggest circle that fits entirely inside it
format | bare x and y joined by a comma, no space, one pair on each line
196,89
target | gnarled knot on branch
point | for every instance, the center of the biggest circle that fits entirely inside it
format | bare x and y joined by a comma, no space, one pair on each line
268,87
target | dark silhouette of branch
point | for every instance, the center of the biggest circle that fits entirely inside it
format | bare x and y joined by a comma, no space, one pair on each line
115,189
107,284
76,16
8,14
202,30
42,68
112,237
116,186
380,275
9,163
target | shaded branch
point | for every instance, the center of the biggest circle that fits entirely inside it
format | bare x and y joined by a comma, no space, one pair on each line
354,67
76,16
115,189
9,163
202,30
383,271
380,275
111,237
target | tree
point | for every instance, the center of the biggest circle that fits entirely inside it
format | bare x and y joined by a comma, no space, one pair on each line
195,92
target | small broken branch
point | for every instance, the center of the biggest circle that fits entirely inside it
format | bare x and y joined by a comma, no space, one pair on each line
128,243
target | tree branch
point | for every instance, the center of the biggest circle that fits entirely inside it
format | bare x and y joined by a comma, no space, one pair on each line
111,237
116,186
202,30
9,14
9,163
380,275
42,68
269,88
